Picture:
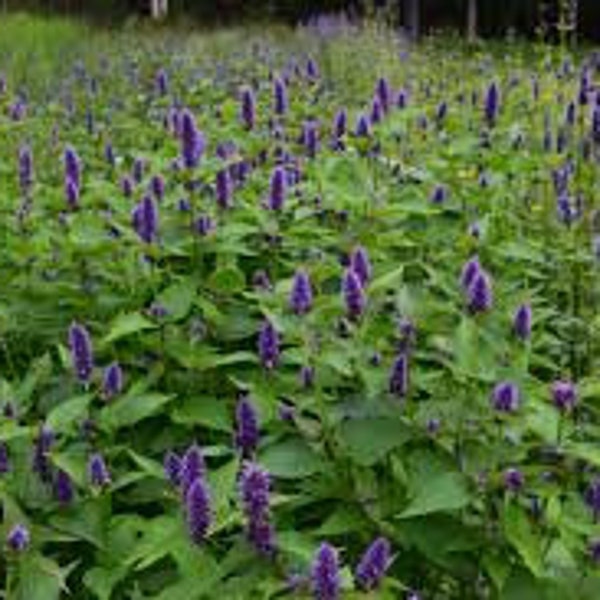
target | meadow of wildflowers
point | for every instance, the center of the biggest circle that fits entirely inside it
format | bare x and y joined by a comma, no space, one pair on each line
305,314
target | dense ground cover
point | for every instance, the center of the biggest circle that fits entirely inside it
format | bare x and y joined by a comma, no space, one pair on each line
269,299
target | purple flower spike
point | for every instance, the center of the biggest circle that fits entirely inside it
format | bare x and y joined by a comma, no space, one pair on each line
224,188
172,468
311,138
72,193
157,187
594,551
384,93
25,169
398,383
564,395
360,264
492,102
193,467
63,488
506,397
325,576
18,538
204,225
254,489
112,383
402,99
307,376
82,357
340,124
248,110
439,194
268,345
376,111
469,271
522,322
4,459
127,186
301,296
480,298
312,70
162,82
72,166
97,471
198,512
145,219
139,166
278,189
373,565
192,141
363,128
246,434
43,444
354,295
280,98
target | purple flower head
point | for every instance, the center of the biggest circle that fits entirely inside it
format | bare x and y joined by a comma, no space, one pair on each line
376,115
127,186
72,166
312,69
522,322
72,193
268,345
145,219
441,112
172,468
4,459
384,93
246,433
398,382
248,109
492,103
301,296
192,141
361,265
310,136
439,194
564,395
402,99
354,295
193,467
41,451
109,154
204,225
25,169
513,480
278,189
592,497
224,189
261,281
97,471
64,491
82,357
254,489
280,97
363,127
479,293
112,381
18,538
340,123
506,397
373,565
570,113
157,187
198,511
325,576
139,166
162,82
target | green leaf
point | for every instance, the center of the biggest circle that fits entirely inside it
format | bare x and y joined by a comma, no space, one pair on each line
520,534
40,578
131,409
440,492
227,280
213,413
177,299
292,459
68,412
126,325
367,441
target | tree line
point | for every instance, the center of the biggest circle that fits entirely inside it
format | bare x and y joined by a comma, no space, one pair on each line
482,17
